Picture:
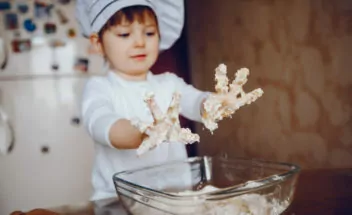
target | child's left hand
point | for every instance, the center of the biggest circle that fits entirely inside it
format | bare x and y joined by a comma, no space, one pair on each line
166,126
227,99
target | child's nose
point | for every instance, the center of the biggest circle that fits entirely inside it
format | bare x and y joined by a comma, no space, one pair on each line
139,40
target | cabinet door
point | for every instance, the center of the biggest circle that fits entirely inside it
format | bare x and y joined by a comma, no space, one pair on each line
51,161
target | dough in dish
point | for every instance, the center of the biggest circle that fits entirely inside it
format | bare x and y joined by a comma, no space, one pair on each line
228,98
245,204
166,126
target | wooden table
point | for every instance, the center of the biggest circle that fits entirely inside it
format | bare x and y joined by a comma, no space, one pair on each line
319,192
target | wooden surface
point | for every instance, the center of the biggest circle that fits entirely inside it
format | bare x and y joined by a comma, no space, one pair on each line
319,192
323,192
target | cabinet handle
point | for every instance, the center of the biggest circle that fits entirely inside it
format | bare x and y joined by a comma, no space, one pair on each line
75,121
5,54
5,120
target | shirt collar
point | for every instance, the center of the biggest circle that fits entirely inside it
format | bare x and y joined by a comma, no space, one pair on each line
126,83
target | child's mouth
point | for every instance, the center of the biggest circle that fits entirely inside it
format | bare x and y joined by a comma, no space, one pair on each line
139,57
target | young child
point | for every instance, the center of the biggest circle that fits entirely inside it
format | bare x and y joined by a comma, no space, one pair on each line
129,34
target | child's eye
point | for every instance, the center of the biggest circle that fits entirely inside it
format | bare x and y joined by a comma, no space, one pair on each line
152,33
123,35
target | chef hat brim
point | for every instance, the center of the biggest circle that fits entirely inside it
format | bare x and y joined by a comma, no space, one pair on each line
93,14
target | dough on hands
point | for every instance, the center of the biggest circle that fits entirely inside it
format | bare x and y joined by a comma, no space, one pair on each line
227,97
165,127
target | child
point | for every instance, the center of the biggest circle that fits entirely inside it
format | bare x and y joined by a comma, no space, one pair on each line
129,34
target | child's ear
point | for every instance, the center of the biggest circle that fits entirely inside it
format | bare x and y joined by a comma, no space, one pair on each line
96,47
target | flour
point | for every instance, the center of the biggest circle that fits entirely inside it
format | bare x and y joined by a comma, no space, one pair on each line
276,177
247,204
251,184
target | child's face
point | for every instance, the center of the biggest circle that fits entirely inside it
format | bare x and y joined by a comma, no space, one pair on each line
132,48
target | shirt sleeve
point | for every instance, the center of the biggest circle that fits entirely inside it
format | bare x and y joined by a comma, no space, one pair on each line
191,99
97,110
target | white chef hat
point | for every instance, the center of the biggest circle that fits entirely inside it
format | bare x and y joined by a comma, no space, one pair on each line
93,14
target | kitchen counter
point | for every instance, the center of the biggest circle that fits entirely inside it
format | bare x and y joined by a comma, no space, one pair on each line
320,192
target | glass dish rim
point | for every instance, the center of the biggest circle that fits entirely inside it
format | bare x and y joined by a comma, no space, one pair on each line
221,193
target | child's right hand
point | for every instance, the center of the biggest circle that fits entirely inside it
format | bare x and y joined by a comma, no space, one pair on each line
166,126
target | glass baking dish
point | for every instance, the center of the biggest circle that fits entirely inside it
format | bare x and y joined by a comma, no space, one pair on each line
208,186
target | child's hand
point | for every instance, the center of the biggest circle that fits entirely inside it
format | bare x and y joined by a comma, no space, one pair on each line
227,99
166,127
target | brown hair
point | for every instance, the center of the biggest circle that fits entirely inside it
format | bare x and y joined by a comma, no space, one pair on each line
131,14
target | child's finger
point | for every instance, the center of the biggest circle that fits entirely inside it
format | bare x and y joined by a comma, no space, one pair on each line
221,79
246,98
148,144
241,76
154,108
187,137
254,95
173,109
144,147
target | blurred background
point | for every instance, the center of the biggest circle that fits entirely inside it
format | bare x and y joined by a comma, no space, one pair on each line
298,52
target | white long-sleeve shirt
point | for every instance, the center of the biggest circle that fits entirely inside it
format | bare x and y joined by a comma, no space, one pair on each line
110,98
